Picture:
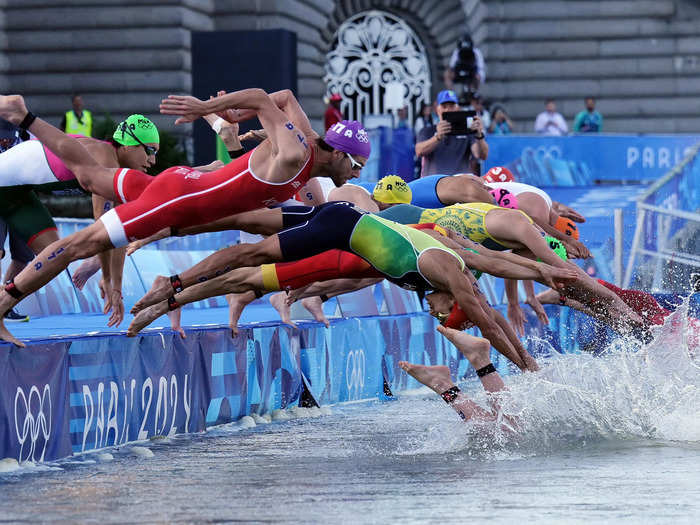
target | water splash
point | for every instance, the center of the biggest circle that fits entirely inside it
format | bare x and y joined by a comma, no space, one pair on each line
625,393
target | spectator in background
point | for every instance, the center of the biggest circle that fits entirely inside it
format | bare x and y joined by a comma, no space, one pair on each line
550,122
402,118
466,66
333,113
446,154
589,120
500,123
426,118
477,104
77,121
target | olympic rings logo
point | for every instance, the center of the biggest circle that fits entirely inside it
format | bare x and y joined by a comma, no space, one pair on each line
36,410
355,365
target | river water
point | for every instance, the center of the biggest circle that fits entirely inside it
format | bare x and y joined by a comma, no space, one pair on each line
613,437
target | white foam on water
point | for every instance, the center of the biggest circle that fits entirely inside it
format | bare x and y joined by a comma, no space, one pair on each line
261,419
9,465
627,393
142,452
246,422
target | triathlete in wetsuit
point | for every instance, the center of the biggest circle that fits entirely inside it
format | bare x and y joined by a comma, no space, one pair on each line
286,159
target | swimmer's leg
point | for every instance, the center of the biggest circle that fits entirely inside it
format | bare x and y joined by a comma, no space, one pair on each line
437,378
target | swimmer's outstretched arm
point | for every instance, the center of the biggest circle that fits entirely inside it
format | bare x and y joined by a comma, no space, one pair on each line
528,361
565,211
508,265
441,269
534,303
437,378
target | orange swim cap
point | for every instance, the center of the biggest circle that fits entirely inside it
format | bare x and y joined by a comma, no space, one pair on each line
568,227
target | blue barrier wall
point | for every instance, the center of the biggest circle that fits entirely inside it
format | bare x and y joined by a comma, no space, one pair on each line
574,160
580,160
71,395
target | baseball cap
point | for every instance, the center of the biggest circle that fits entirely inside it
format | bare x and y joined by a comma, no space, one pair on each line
335,96
350,137
134,129
392,189
567,227
498,174
447,95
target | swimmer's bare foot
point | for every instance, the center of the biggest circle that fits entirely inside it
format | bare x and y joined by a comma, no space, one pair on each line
556,277
436,377
5,335
160,291
6,303
236,303
87,269
476,349
146,317
294,295
175,317
12,108
315,307
278,303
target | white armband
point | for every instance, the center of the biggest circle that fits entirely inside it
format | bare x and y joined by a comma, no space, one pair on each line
216,126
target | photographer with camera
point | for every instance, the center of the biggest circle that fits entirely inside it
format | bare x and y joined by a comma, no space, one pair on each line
466,66
448,147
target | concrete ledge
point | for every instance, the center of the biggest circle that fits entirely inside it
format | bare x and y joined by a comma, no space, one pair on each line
93,61
96,39
529,10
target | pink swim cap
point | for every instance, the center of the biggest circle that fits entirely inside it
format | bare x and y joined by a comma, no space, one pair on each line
504,198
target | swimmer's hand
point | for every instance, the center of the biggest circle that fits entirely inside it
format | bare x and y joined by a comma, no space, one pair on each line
135,245
564,211
113,303
556,277
187,107
580,249
256,134
516,318
537,307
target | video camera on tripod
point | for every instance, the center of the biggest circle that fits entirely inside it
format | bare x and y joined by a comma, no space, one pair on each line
465,69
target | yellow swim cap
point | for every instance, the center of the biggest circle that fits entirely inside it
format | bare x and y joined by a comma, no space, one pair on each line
392,189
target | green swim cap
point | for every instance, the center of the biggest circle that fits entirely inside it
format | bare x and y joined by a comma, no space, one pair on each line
557,246
136,127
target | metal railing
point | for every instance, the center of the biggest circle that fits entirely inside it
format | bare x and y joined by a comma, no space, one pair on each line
663,211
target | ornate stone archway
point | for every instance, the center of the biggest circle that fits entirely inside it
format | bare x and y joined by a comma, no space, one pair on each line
372,50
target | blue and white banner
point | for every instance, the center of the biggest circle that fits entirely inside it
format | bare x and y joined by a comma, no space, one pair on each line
581,160
34,419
